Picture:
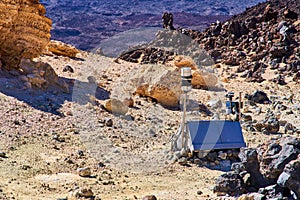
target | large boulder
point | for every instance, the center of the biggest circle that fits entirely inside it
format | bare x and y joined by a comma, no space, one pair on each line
290,177
24,31
278,155
229,183
40,75
61,49
160,82
203,79
249,158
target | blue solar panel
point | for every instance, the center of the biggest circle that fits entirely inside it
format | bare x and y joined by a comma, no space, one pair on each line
208,135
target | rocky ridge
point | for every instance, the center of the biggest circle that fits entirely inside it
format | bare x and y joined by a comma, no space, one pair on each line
264,39
102,20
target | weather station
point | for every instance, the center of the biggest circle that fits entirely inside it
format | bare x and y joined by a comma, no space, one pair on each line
197,135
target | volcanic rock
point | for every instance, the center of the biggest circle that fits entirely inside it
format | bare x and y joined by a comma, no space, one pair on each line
61,49
149,197
115,106
290,177
2,154
258,97
263,33
278,156
25,31
84,172
41,75
273,191
249,158
229,183
272,170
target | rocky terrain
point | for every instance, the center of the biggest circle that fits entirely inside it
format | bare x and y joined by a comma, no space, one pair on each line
86,24
263,40
78,125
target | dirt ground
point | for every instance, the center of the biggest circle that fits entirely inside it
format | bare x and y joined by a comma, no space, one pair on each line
44,149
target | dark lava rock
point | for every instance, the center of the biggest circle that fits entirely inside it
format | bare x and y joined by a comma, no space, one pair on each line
290,177
278,52
237,28
249,158
273,165
290,14
272,126
229,183
274,170
108,122
149,197
279,80
212,156
68,68
258,97
274,192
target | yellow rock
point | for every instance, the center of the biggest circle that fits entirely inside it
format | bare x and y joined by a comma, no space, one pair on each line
182,61
204,79
61,49
115,106
24,31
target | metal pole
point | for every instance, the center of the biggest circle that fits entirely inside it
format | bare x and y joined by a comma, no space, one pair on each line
183,125
240,105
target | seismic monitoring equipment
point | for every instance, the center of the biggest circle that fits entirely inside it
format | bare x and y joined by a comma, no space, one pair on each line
197,135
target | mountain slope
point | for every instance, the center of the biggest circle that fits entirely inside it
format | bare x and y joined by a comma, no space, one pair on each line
85,24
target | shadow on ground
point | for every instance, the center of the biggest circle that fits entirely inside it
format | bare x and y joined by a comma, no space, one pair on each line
51,99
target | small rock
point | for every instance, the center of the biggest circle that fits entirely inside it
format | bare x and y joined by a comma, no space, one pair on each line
258,97
68,68
152,133
222,155
128,102
197,161
84,192
182,161
199,192
229,183
84,172
289,128
115,106
212,156
2,155
80,153
108,122
149,197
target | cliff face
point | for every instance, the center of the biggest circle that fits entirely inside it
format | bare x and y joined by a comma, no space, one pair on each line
24,31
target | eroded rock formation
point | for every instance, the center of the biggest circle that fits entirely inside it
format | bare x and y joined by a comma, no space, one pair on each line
24,31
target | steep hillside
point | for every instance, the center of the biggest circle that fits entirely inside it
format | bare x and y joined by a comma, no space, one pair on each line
86,24
260,44
265,38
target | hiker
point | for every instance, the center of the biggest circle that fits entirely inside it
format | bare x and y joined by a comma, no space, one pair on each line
167,19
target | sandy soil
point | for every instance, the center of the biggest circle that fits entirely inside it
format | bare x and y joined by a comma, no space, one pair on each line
44,149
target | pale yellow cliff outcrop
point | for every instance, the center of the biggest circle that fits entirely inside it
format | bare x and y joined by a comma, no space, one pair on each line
24,31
